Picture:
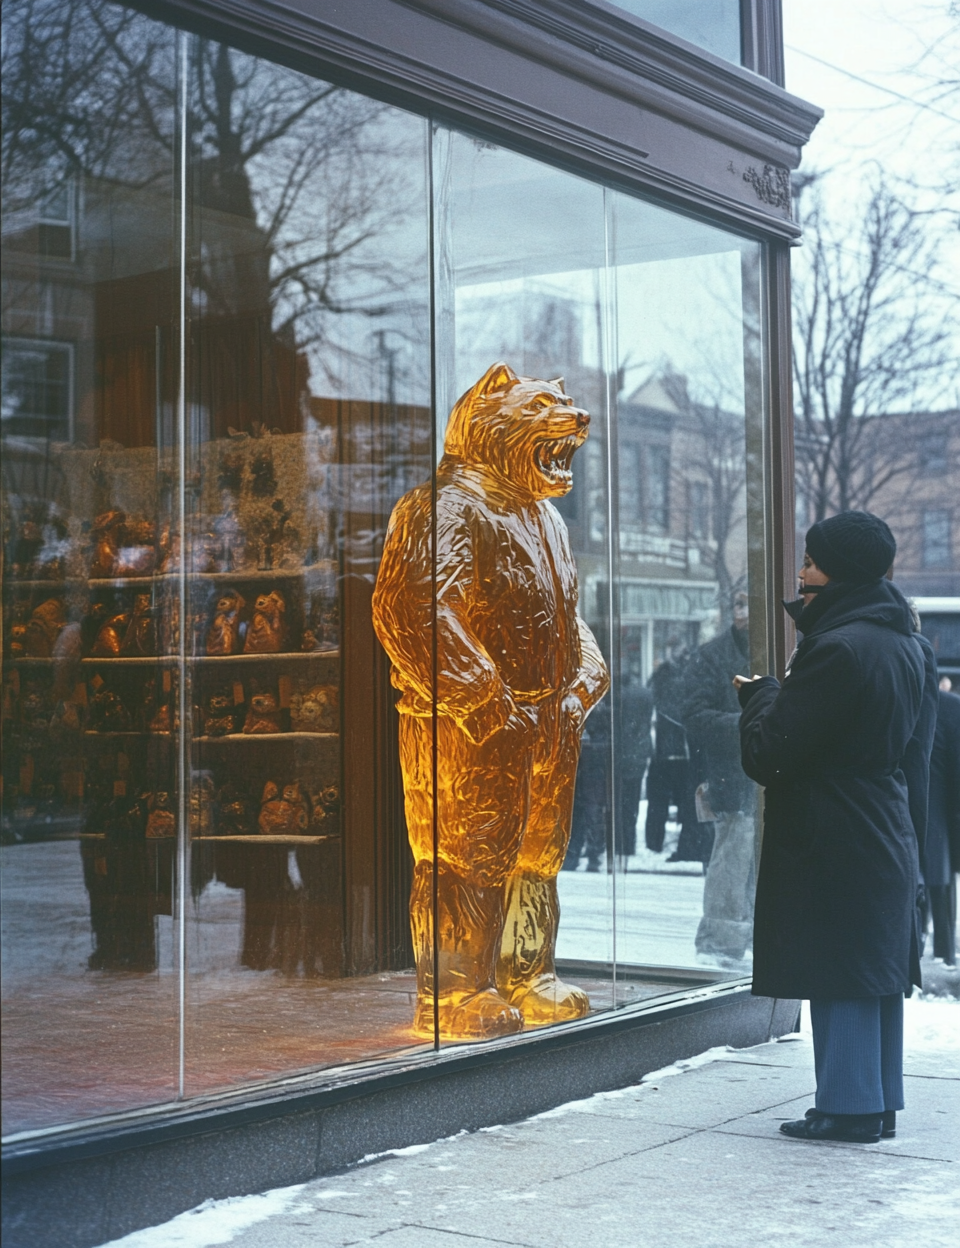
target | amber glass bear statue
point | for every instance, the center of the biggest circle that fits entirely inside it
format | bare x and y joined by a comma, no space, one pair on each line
517,672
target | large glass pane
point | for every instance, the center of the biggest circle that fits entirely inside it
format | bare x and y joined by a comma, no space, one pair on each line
523,283
691,593
90,366
711,24
309,416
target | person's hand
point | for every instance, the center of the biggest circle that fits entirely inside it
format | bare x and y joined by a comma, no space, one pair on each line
740,681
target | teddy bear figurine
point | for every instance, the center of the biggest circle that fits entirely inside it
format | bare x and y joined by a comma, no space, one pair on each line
107,531
220,716
317,710
263,715
140,638
111,636
226,632
284,815
160,819
43,628
267,633
236,813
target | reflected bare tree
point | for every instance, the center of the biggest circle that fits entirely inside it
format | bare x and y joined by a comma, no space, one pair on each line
867,343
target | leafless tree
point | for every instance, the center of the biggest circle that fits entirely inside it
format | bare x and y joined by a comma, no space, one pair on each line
868,342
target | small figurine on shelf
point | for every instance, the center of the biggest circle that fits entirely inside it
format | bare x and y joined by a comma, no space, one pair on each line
137,555
45,626
271,534
165,721
140,638
227,631
168,549
35,713
49,561
106,543
317,710
325,811
160,819
232,546
236,812
202,805
107,712
282,816
267,633
111,635
263,715
221,716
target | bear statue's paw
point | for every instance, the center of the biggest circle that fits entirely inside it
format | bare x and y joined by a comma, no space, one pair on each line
549,1000
481,1016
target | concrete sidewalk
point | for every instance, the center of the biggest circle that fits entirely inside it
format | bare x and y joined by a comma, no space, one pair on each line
691,1158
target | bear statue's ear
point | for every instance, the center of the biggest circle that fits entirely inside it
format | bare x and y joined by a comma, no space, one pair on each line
558,382
499,376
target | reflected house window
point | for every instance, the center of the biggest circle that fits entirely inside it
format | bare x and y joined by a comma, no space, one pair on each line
630,492
932,454
57,222
37,388
711,24
936,539
657,483
698,501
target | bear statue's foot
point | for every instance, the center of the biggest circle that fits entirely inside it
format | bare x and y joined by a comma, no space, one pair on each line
481,1016
549,1000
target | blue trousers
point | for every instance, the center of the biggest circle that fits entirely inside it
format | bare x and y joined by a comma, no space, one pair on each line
858,1054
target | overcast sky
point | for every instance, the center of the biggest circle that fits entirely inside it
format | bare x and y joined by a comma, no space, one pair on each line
857,59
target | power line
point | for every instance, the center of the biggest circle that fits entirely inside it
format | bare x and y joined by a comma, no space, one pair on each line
875,85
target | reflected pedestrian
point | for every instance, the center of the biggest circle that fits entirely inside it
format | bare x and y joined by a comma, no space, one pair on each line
941,857
836,895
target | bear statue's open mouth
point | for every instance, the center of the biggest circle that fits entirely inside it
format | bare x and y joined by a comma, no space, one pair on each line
554,457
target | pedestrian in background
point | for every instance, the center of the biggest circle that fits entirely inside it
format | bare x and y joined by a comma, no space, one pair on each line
838,877
711,716
941,858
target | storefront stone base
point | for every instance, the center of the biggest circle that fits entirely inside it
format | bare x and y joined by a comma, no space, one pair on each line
83,1188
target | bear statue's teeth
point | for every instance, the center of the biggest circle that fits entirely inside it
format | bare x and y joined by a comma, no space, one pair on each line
553,458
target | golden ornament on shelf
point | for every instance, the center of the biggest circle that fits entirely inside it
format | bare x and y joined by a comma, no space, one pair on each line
517,672
267,632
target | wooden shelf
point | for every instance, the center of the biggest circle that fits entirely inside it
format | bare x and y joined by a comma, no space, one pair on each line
246,575
170,660
263,839
269,736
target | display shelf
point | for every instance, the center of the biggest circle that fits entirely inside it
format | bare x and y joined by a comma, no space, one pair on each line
171,660
286,655
129,732
246,575
265,839
268,736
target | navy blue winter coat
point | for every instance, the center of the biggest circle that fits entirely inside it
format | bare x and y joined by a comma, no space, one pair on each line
837,884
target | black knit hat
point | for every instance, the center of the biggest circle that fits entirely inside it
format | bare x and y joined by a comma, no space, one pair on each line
855,546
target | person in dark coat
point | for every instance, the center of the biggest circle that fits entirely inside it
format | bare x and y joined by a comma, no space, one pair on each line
837,887
633,755
711,716
668,780
941,857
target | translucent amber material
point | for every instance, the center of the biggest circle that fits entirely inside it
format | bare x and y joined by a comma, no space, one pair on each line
516,673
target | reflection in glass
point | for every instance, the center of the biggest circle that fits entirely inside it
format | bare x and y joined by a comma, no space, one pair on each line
522,264
711,24
309,372
506,691
691,598
89,772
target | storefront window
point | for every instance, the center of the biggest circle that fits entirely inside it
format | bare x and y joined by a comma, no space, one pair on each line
240,304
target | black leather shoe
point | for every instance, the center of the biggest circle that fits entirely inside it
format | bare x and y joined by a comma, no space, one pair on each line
888,1127
848,1128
